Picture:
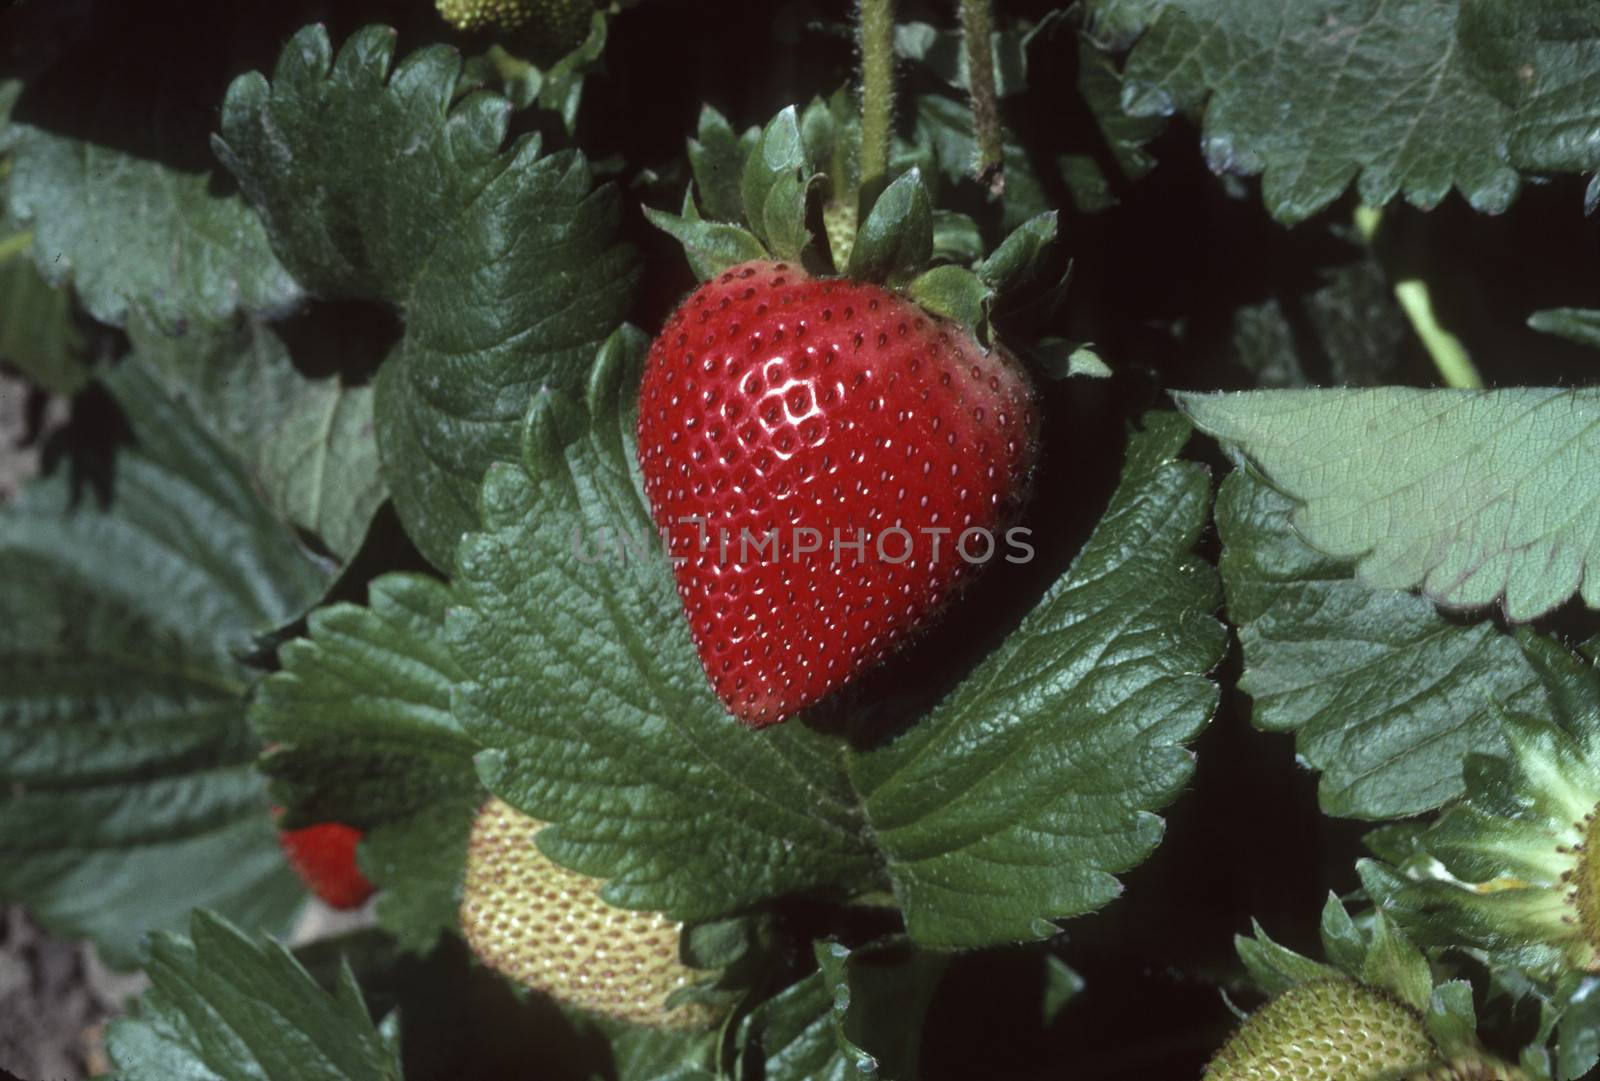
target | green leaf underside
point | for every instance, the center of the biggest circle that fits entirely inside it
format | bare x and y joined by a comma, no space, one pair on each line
1011,805
309,442
1317,94
502,262
361,710
1386,695
137,235
1473,496
122,726
224,1006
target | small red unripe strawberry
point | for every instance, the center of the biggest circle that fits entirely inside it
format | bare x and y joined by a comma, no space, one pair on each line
546,927
324,856
882,448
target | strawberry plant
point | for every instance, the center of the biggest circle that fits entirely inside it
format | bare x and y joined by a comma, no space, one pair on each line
825,539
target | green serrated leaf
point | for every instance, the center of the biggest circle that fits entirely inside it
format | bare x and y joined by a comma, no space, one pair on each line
1019,797
895,242
224,1006
133,235
1542,59
1581,325
361,714
126,757
1288,91
1476,497
502,262
308,442
717,161
953,292
1387,696
617,744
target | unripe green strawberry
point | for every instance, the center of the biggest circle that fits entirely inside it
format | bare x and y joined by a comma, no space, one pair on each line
560,23
1328,1030
839,220
547,928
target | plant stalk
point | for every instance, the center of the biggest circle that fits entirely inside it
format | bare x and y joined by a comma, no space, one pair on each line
975,30
876,22
1449,353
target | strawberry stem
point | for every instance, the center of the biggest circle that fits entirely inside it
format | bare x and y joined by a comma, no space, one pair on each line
1449,353
975,24
875,19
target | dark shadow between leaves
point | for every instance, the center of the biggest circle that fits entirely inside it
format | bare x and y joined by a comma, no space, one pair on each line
87,446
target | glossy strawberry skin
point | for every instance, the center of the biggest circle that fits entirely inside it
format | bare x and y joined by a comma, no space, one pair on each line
324,856
775,401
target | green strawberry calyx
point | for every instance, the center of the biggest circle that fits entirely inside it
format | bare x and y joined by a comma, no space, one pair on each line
787,192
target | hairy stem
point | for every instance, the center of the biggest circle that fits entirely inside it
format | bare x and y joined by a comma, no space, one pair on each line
1449,354
876,21
975,29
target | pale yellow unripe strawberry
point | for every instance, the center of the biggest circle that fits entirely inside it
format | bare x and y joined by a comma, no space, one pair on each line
547,928
1328,1030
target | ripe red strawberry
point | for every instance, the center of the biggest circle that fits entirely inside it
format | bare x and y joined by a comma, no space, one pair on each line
324,856
773,401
